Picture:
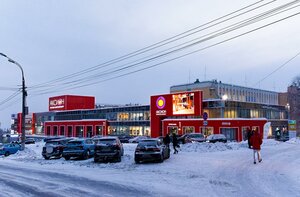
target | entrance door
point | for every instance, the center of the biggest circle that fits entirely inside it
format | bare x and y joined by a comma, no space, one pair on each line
230,133
89,131
172,129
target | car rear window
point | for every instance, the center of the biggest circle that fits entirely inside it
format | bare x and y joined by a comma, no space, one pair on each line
148,143
52,143
75,142
106,141
196,136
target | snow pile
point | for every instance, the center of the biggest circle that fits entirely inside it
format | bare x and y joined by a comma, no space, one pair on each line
31,152
294,140
213,147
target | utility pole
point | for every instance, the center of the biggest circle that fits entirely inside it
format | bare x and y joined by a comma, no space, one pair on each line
24,94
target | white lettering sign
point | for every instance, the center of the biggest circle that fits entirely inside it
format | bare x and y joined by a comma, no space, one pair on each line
161,112
57,103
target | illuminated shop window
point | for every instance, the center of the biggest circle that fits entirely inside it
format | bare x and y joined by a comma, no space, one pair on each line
188,129
206,131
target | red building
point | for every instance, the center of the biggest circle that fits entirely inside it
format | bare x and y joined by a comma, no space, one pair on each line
182,113
71,102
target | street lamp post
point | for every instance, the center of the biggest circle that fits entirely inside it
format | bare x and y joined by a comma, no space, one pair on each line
224,99
24,94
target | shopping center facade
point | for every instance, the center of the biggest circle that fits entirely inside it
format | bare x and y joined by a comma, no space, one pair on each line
230,109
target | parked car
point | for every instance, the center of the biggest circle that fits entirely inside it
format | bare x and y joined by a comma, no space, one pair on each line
108,148
8,149
124,138
54,148
191,138
151,150
137,139
80,148
29,141
216,138
53,138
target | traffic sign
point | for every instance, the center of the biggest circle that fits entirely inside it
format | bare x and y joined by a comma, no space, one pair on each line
205,123
205,116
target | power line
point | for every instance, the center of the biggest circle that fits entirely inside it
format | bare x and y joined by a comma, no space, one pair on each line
210,46
243,23
10,97
281,66
145,49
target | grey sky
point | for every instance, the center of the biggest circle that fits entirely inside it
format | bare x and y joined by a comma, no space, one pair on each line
51,39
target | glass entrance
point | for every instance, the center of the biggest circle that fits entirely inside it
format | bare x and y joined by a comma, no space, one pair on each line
230,133
172,129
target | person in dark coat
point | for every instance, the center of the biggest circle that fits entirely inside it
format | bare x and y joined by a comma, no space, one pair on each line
256,141
167,140
249,134
175,143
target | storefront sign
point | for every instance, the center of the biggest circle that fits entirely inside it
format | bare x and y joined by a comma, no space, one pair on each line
161,112
57,103
226,123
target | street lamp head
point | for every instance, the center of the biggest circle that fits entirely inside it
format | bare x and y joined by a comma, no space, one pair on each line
224,97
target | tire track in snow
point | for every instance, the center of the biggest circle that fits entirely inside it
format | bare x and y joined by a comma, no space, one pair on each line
34,182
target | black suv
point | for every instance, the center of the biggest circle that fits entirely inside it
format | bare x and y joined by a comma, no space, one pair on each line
54,148
108,148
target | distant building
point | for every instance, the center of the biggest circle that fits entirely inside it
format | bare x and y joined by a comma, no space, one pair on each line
231,110
223,100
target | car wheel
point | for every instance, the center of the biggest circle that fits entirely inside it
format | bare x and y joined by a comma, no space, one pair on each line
168,154
96,160
137,161
161,159
6,154
67,157
47,158
87,154
119,158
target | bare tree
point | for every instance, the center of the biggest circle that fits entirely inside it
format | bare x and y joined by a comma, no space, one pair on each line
296,82
294,101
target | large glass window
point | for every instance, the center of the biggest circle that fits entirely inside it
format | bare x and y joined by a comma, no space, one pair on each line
206,131
188,130
79,131
172,129
136,130
70,131
48,130
245,132
230,133
99,130
55,130
89,131
62,130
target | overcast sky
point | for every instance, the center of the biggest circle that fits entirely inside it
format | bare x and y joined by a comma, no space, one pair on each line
53,39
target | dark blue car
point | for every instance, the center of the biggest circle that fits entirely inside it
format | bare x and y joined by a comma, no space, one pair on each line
80,148
8,149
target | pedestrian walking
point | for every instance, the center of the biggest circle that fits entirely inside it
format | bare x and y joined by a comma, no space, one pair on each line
167,140
175,143
249,134
256,141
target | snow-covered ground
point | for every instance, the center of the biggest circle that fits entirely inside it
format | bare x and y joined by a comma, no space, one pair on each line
198,170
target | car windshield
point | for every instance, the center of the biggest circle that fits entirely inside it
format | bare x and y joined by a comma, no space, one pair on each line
210,137
74,142
52,143
196,136
148,143
106,141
